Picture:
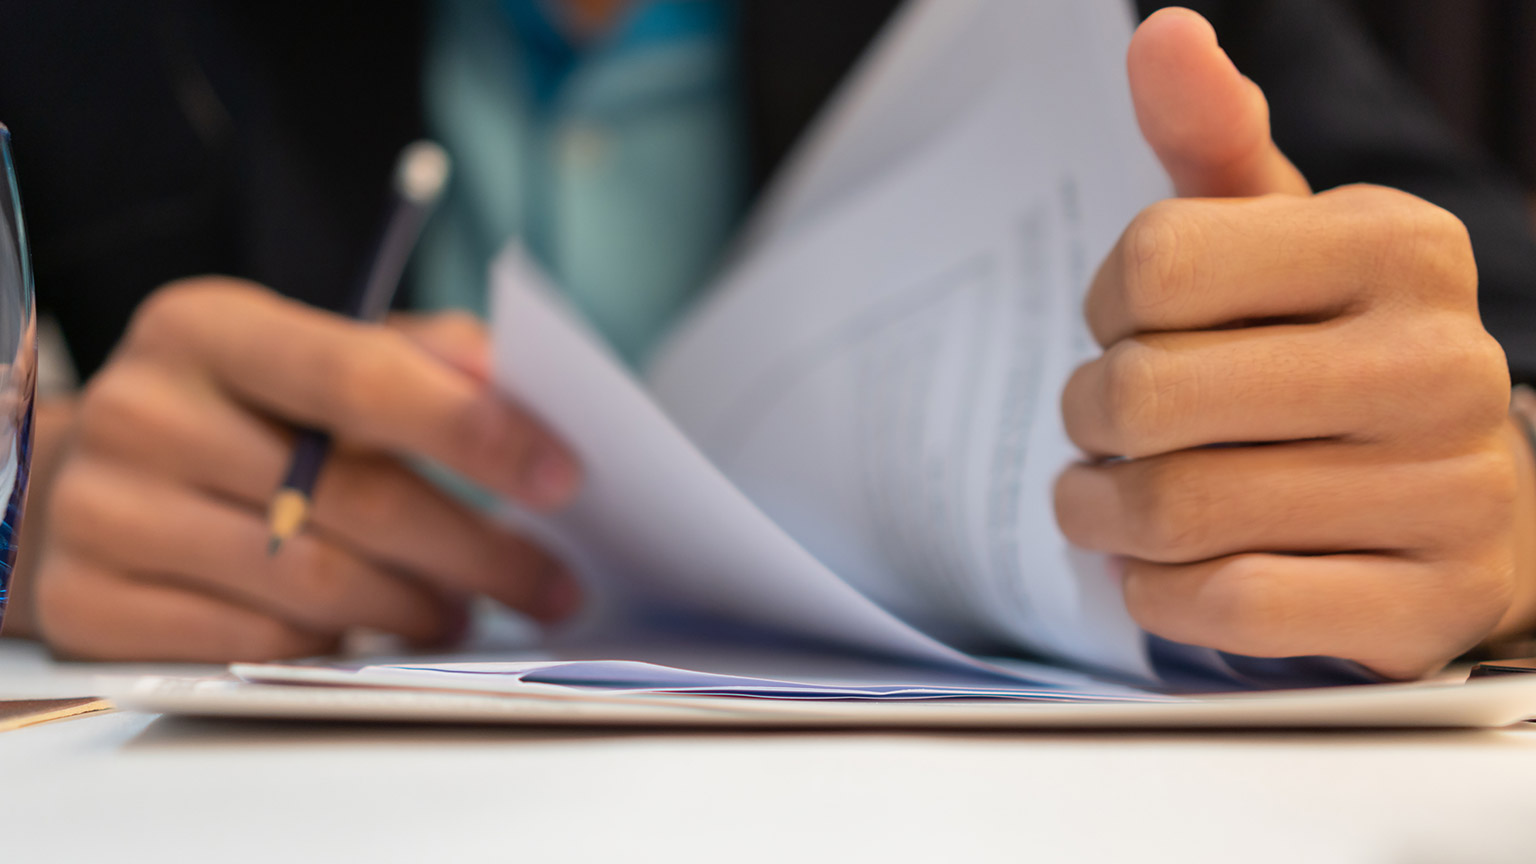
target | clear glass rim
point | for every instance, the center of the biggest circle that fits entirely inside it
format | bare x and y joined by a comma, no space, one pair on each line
19,225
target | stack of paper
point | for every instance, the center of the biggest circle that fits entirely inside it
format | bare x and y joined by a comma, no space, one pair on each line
844,457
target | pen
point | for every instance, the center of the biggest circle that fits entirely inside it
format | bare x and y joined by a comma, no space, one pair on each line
421,172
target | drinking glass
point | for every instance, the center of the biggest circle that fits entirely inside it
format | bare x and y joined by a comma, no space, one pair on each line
18,365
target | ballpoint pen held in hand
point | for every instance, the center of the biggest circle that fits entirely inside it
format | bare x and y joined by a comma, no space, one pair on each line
421,173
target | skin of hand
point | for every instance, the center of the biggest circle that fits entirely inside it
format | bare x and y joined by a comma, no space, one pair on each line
152,538
1297,434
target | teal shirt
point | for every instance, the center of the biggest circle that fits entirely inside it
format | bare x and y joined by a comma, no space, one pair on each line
619,164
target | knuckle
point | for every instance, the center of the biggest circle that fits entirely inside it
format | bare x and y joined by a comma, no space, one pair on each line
66,634
1081,402
55,598
1135,396
1370,197
1380,207
487,434
103,400
1484,587
161,316
1080,508
114,406
1484,373
176,309
448,329
1237,605
1458,603
458,325
1443,256
370,490
315,575
1417,245
1169,512
1159,260
77,509
356,384
1139,588
1067,501
1233,609
1495,476
1486,487
1245,605
1489,365
1450,355
70,495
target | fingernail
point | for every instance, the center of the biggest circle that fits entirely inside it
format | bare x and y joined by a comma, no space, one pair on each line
558,599
550,479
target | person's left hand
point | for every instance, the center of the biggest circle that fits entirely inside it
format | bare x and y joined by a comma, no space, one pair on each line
1297,432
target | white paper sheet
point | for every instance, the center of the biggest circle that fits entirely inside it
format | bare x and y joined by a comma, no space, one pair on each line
657,528
1483,703
884,381
630,677
876,384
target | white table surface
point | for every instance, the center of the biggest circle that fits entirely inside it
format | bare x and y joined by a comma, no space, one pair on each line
128,787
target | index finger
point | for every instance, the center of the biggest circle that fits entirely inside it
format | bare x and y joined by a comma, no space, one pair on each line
1203,264
362,382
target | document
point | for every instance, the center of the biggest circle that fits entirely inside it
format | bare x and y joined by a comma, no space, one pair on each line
788,675
632,695
852,441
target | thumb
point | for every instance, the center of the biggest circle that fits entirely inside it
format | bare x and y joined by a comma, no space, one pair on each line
1207,123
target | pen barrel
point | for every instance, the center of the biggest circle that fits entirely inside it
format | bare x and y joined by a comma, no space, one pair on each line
308,455
420,175
376,291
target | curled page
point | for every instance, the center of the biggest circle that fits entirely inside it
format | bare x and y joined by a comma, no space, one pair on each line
657,529
883,376
630,677
874,388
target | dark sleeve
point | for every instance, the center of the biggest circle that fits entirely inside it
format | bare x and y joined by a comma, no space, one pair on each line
119,188
1344,114
793,55
169,138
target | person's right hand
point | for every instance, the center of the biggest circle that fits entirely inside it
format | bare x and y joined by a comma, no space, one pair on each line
155,540
1296,439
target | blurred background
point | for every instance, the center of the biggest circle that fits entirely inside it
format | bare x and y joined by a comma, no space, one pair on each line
1475,60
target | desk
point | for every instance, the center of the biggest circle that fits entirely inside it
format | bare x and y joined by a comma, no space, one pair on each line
127,787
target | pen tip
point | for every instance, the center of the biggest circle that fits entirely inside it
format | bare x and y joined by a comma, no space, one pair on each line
286,516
